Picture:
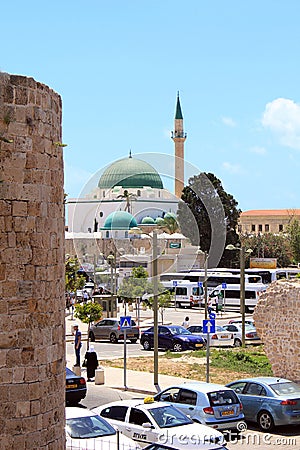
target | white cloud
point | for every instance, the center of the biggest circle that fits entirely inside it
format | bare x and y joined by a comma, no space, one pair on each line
232,168
228,121
282,116
258,150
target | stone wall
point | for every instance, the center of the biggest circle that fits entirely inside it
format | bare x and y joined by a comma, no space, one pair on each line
32,330
276,318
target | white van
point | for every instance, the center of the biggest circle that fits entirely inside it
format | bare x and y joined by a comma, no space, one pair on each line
185,294
230,297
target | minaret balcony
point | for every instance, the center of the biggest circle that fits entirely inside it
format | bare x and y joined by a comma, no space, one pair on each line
178,134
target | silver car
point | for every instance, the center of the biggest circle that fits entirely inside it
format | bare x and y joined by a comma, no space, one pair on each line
110,329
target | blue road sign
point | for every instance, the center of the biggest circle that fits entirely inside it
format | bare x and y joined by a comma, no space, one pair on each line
200,284
224,285
212,316
209,326
175,283
125,322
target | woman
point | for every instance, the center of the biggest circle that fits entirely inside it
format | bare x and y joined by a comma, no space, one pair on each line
91,360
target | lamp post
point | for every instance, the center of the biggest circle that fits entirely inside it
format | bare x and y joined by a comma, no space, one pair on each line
243,252
110,260
136,230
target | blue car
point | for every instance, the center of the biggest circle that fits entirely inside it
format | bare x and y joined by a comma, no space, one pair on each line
172,337
269,401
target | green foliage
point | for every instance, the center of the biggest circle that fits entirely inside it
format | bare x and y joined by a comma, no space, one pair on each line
269,245
88,312
136,285
200,205
170,224
163,301
73,280
293,230
242,360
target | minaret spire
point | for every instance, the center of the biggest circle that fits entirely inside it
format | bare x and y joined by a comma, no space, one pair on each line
179,137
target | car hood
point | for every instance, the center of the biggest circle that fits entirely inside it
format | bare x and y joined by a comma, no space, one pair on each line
192,436
109,442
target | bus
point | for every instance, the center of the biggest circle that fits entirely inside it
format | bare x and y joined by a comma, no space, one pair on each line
214,279
184,293
267,275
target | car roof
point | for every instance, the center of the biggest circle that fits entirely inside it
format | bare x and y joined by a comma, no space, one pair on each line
265,380
73,412
135,403
200,386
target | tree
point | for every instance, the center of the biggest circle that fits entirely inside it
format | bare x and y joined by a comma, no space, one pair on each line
269,245
73,280
169,223
207,211
88,313
136,285
293,230
163,302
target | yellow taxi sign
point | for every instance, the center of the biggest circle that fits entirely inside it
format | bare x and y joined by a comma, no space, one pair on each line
149,400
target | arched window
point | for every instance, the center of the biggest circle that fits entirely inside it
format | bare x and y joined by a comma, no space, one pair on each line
107,234
138,193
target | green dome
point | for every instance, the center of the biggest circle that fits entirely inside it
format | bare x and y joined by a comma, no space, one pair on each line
148,221
119,220
130,173
159,221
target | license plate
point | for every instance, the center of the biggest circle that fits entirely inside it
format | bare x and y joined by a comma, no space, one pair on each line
199,345
71,386
129,334
224,336
227,413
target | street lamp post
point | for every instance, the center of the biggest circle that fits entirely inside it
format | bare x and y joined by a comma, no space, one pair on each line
243,252
110,260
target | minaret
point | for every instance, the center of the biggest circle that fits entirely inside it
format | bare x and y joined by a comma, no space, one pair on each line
179,136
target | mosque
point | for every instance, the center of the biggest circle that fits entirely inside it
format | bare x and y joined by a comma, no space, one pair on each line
130,193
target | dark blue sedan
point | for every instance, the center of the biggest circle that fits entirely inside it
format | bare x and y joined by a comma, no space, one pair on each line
269,401
172,337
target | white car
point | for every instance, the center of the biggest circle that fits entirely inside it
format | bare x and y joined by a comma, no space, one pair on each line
251,336
85,430
148,422
221,337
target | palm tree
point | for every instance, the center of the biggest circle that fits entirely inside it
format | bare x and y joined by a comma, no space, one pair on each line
170,224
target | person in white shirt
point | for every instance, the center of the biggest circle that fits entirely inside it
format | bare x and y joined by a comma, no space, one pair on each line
186,322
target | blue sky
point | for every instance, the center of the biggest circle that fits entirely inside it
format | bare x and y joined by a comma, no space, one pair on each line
118,65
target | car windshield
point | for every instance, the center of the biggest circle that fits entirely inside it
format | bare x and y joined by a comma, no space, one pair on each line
88,427
219,328
179,330
167,416
285,388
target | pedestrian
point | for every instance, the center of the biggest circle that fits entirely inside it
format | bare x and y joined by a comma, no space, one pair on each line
217,304
91,362
85,296
186,322
209,304
77,343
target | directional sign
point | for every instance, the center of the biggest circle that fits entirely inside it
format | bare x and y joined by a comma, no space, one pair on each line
212,316
175,283
224,286
209,326
200,284
125,322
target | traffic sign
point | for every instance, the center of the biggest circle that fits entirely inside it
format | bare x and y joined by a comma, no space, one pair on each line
212,316
224,285
175,283
209,326
125,322
200,284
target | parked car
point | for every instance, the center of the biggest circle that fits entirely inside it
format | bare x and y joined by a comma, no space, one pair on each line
87,430
221,338
269,401
251,336
172,337
207,403
148,422
110,329
75,388
239,321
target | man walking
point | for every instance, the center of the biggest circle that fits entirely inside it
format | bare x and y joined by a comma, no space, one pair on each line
77,343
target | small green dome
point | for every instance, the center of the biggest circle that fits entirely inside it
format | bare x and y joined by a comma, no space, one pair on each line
159,221
119,220
130,173
148,221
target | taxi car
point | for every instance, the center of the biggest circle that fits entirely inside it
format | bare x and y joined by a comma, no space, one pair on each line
86,430
210,404
147,422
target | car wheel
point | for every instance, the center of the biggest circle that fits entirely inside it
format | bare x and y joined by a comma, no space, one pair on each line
133,341
92,336
237,342
177,347
265,421
113,338
146,345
